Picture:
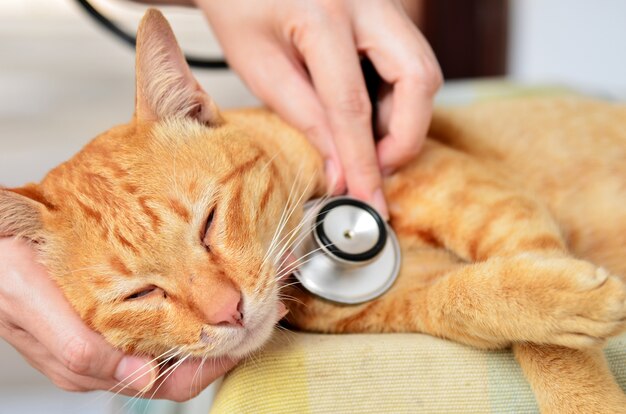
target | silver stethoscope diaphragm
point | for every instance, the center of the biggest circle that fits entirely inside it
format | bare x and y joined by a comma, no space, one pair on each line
348,253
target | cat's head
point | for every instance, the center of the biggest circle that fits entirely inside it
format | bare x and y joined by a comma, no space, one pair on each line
162,233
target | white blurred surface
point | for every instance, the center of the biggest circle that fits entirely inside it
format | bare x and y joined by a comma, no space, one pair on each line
63,80
577,43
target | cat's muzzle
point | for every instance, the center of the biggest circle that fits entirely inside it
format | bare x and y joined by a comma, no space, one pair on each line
348,253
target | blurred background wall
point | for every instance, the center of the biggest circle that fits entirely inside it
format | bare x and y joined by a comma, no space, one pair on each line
573,42
63,80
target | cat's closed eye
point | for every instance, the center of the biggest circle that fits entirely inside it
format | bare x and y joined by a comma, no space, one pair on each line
146,292
204,236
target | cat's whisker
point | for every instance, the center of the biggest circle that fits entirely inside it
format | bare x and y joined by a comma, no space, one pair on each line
287,298
291,243
295,206
150,362
287,212
253,358
292,265
298,262
300,239
296,230
289,334
167,373
280,221
288,202
267,164
193,379
126,385
292,208
249,359
283,295
222,363
282,329
287,285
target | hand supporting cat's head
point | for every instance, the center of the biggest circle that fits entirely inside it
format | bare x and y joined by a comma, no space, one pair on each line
165,234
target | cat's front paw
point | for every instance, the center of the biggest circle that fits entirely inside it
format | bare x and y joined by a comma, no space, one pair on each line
583,305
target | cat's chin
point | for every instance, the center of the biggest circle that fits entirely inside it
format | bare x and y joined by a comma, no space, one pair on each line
240,342
257,335
259,330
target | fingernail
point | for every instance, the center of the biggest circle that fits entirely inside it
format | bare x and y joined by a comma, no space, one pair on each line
378,201
332,177
136,373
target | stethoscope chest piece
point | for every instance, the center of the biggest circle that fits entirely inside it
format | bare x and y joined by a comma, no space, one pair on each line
348,253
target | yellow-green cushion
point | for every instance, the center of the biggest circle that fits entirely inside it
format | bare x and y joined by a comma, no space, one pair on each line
389,373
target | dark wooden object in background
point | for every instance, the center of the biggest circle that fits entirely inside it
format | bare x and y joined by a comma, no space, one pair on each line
469,37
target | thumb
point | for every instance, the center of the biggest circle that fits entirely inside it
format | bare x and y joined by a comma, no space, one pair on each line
88,355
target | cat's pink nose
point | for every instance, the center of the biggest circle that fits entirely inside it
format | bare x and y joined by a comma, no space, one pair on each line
225,308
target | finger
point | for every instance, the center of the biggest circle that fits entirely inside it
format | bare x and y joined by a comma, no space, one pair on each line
190,378
283,85
332,59
52,321
404,59
406,129
42,360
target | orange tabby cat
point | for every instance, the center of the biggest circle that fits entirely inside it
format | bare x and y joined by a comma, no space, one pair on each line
162,233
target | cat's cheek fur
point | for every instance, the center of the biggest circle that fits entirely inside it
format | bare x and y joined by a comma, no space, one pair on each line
158,328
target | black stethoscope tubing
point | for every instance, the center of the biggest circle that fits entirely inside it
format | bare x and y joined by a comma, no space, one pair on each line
132,40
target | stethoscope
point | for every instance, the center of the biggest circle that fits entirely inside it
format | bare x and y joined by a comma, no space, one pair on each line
347,253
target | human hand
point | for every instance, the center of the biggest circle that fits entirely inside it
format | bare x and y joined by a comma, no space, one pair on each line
302,59
37,320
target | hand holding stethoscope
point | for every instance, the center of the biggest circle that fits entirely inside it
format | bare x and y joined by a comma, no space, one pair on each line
302,58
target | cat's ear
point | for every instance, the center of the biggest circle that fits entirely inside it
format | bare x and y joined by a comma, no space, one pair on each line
22,211
165,86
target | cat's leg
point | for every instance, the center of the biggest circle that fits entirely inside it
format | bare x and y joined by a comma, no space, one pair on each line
570,381
492,304
518,262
